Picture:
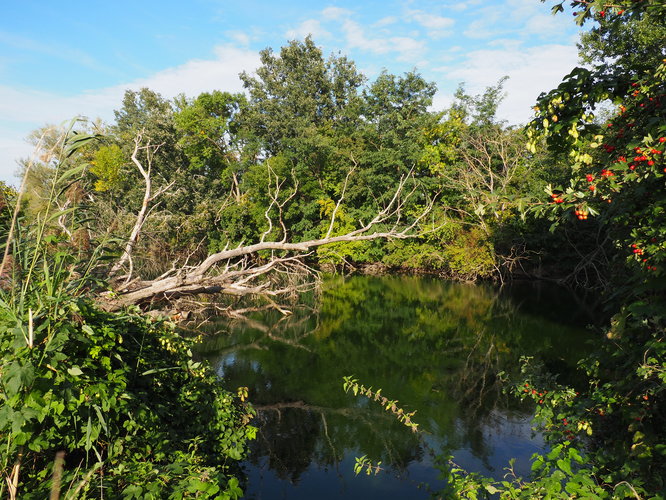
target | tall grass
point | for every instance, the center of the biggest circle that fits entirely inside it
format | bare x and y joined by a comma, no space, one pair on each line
37,281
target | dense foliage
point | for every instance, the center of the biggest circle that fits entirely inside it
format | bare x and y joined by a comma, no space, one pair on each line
101,405
311,138
607,440
312,132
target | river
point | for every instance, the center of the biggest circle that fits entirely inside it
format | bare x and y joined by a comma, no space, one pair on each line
435,346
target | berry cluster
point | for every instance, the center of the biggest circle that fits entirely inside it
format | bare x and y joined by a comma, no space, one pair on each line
581,214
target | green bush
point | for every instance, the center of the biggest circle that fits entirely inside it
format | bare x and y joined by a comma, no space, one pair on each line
118,395
470,255
122,397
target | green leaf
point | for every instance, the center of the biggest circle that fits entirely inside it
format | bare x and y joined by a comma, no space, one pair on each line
74,371
72,171
159,370
88,443
565,466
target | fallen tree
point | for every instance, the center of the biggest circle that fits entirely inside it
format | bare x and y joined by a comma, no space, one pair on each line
256,269
246,269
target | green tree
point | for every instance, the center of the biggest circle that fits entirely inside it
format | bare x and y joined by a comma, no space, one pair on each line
209,132
618,171
396,113
617,175
304,107
297,97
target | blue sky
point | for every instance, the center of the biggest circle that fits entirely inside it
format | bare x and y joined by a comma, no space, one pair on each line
62,59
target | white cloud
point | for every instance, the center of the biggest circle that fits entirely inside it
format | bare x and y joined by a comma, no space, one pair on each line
28,109
56,51
520,9
530,70
431,21
11,148
441,101
407,48
239,37
356,38
437,26
505,43
386,21
460,6
517,18
543,25
486,25
309,27
332,13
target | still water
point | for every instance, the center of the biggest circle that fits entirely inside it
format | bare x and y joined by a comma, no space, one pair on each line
433,345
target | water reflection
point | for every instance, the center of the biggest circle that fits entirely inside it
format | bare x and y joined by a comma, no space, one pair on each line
435,346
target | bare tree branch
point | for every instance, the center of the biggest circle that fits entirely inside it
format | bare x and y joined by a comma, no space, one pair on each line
337,205
240,270
148,197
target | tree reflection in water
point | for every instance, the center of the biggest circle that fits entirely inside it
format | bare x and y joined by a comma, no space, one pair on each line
436,346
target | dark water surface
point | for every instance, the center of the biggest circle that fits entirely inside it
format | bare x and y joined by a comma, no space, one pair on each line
435,346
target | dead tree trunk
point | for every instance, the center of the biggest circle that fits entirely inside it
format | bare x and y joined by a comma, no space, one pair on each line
148,198
236,271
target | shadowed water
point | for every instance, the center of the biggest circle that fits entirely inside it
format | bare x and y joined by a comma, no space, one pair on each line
435,346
